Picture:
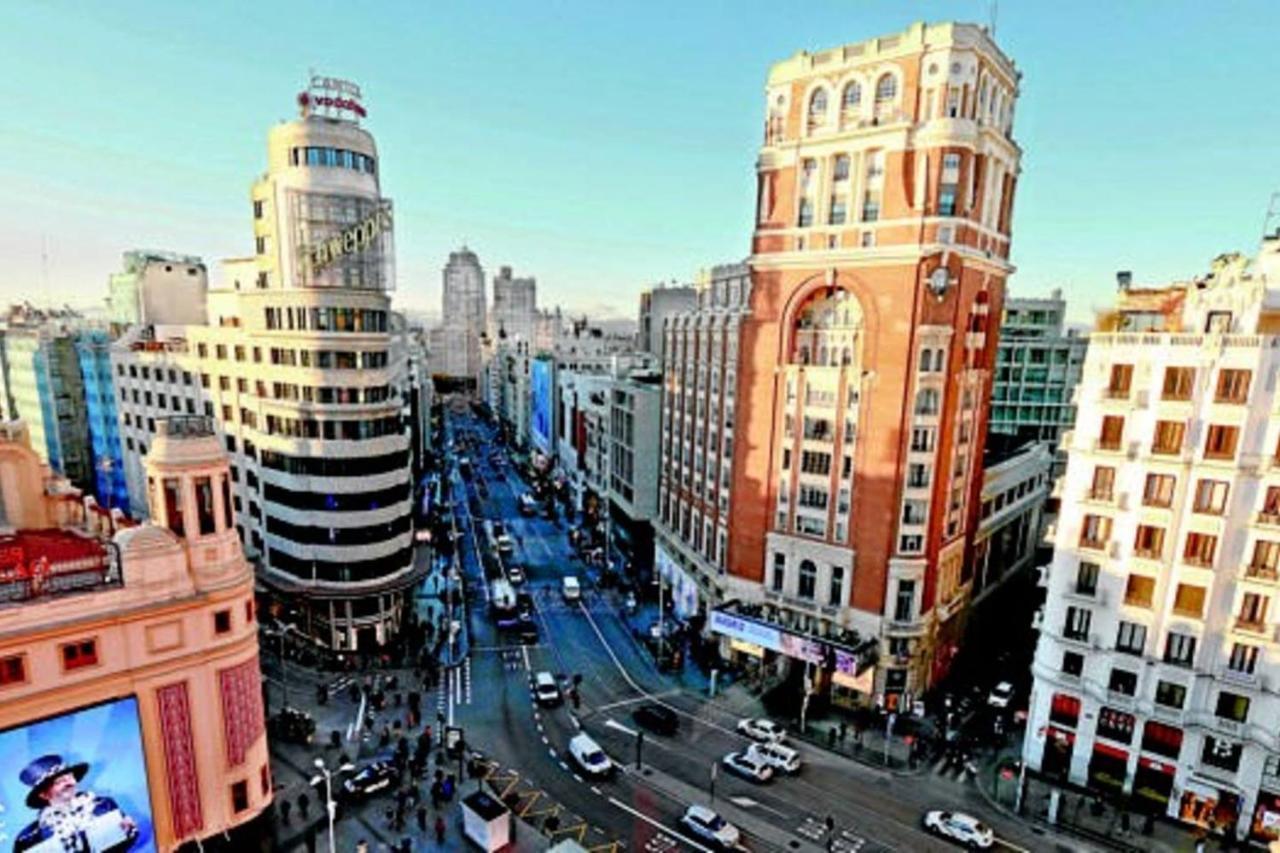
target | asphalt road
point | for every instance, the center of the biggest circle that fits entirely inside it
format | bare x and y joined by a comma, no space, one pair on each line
873,810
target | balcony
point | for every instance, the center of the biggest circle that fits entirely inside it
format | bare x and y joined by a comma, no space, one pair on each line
1249,625
1267,518
1266,574
1115,394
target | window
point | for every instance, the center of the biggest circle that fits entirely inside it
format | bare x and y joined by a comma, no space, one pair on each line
222,622
806,213
1244,658
1064,710
815,462
1078,621
1112,432
1211,497
1104,479
1220,443
240,797
947,200
839,212
1131,638
1253,610
1087,578
808,580
13,670
1115,725
1199,549
1168,438
1178,383
779,571
1179,649
78,655
917,475
173,504
886,89
204,505
1139,591
1232,706
1233,386
904,606
1123,681
1095,531
852,95
1271,503
1170,694
1162,739
1072,663
840,169
1158,491
1121,380
1266,558
1148,542
927,402
836,597
1221,753
818,104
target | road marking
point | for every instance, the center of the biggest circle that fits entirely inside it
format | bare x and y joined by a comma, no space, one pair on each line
621,702
748,803
576,776
613,724
595,789
1011,846
525,651
563,766
662,827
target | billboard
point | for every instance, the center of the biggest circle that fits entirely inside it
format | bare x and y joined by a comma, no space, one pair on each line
76,781
541,430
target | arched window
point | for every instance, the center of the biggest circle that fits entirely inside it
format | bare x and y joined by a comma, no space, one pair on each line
808,580
818,103
886,88
927,402
852,95
826,330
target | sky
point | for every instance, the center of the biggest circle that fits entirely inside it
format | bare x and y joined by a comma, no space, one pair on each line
603,147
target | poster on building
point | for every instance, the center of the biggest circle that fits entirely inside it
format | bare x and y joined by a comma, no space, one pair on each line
681,590
77,781
540,426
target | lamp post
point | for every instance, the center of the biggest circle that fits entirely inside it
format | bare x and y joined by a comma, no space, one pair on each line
662,622
330,806
281,629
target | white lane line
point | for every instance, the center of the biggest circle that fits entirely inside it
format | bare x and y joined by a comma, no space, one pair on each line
613,724
546,741
1011,846
663,827
563,766
621,702
524,650
595,789
576,776
552,753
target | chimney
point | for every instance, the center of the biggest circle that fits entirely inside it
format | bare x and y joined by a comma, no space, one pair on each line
1124,278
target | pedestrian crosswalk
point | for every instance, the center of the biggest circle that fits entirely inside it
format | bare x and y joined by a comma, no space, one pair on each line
837,839
953,771
660,843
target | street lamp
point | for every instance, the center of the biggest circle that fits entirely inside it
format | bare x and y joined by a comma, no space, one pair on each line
330,806
662,622
281,629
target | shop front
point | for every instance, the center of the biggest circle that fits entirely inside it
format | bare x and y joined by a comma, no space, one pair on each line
1108,769
1208,805
1153,784
1265,826
1059,748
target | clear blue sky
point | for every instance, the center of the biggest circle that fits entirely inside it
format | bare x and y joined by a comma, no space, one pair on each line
603,146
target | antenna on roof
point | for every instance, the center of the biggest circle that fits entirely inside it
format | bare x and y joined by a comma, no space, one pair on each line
1271,223
993,11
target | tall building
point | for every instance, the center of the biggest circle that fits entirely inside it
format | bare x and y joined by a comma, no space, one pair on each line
1038,365
515,306
465,314
300,369
43,385
158,287
879,259
1156,669
106,449
130,656
656,305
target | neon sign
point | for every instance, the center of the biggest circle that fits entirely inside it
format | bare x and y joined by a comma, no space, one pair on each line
331,97
350,241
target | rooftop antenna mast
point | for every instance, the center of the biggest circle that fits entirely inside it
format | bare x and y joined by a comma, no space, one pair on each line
993,11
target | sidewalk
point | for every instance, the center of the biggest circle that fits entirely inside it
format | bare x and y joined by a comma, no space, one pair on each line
1077,817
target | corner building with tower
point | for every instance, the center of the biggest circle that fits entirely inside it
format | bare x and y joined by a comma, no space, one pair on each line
877,276
298,365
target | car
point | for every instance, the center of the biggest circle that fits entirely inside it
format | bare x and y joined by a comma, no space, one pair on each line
368,780
709,826
527,632
546,690
748,766
1001,695
762,730
570,588
957,826
658,719
524,607
527,505
515,574
588,755
292,726
783,759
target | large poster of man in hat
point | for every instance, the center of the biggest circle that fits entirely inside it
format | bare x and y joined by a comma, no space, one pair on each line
76,783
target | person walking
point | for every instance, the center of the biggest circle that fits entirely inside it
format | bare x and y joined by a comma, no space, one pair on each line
422,819
439,829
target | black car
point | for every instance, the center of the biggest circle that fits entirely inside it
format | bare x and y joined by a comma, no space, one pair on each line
292,725
658,719
376,776
527,632
524,606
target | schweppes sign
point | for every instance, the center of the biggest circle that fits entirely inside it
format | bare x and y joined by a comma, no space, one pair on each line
351,241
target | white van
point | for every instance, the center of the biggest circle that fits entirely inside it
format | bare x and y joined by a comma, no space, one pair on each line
546,689
571,588
781,758
589,756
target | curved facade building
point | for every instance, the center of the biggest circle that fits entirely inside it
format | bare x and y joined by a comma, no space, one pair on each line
298,367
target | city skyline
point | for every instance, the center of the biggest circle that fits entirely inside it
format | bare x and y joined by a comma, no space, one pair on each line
577,196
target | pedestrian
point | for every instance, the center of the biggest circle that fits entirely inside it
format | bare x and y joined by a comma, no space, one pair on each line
286,806
831,736
422,819
311,839
389,814
440,831
844,730
304,803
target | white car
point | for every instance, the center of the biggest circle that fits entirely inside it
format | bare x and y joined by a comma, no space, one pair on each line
748,765
546,690
783,759
589,756
709,826
960,827
762,730
1001,695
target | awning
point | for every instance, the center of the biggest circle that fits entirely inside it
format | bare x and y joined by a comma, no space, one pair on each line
1100,748
747,648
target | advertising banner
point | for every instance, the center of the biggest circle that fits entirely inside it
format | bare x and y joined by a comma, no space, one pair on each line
76,782
742,629
540,427
682,590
